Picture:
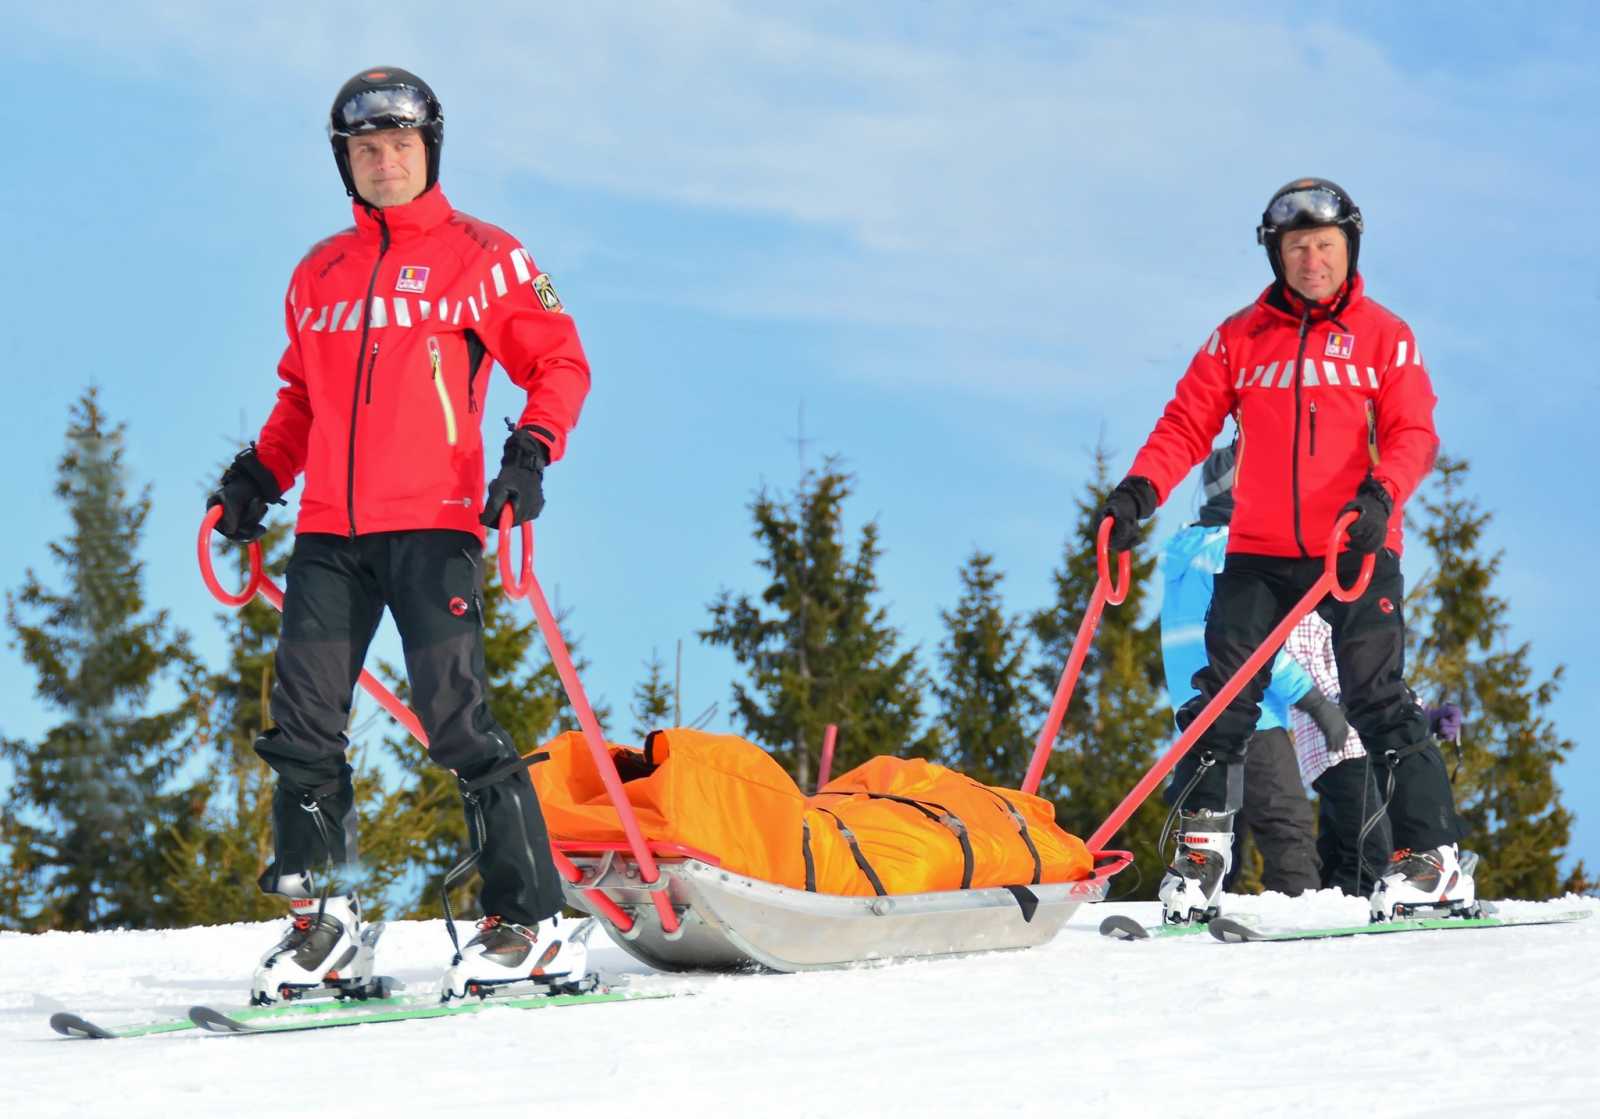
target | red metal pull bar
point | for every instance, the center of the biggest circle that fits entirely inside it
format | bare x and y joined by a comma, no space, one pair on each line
1104,592
208,524
825,768
262,583
528,587
1327,582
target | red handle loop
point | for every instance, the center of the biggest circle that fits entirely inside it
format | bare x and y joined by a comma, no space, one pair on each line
1115,592
1363,577
515,587
207,525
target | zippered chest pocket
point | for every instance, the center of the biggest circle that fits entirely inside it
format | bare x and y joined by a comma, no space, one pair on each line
436,372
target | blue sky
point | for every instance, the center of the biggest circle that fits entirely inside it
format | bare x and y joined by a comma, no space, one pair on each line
969,238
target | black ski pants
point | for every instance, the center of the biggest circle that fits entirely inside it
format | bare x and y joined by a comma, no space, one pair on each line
1277,815
1252,594
1348,798
336,593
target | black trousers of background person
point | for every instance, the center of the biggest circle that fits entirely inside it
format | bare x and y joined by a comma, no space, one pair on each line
1277,815
1251,595
337,590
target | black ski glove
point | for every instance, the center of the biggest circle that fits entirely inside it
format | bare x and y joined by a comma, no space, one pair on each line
1328,716
520,481
1132,501
246,489
1374,504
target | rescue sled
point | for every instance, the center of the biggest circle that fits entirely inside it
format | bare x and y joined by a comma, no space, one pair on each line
677,908
727,921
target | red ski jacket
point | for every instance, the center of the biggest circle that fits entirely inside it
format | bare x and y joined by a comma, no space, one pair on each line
1362,402
391,324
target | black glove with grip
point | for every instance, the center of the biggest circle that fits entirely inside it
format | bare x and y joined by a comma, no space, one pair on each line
1132,501
246,489
520,482
1371,528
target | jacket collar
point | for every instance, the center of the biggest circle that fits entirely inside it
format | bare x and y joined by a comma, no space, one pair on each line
426,211
1284,301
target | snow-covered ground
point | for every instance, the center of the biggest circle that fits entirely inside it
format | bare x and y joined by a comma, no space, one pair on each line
1497,1022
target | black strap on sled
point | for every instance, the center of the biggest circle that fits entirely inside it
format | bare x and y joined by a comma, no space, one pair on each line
1026,900
805,851
855,853
944,816
1027,838
469,794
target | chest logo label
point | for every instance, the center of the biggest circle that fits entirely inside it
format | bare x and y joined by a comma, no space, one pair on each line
1340,345
413,278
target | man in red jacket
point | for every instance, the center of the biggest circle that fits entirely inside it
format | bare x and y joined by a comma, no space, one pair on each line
393,325
1334,411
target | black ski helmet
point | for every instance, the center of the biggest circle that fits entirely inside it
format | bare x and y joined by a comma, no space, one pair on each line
1303,204
380,98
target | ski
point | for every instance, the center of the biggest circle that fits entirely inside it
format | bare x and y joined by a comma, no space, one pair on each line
76,1026
1119,927
1233,931
322,1017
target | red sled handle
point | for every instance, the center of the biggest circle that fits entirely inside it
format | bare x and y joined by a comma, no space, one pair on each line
526,585
1327,583
1104,592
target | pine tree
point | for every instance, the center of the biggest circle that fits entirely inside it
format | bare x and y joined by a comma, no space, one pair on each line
1118,722
412,827
213,869
987,702
652,698
815,646
1505,785
95,803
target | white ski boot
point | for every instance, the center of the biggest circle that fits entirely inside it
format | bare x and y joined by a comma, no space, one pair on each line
1192,887
1436,883
506,958
326,951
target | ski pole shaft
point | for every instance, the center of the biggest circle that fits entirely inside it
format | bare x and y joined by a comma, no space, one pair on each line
1104,592
527,586
1327,583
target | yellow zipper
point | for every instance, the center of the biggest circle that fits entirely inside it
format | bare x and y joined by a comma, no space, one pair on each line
444,394
1372,433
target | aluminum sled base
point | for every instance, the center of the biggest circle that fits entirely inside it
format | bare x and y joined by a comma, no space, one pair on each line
732,922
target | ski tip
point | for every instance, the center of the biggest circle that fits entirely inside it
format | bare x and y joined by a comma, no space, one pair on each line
1119,927
70,1025
217,1022
1230,931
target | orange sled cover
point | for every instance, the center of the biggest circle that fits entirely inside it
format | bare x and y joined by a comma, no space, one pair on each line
889,826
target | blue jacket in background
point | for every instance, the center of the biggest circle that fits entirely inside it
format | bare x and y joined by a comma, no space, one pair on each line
1189,565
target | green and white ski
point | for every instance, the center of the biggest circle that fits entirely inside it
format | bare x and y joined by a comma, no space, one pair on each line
1233,931
1119,927
73,1025
325,1016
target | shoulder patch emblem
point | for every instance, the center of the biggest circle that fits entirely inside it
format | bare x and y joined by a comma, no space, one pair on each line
413,277
1339,345
546,291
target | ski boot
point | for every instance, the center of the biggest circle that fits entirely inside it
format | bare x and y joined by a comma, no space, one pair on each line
326,951
1193,883
510,959
1434,883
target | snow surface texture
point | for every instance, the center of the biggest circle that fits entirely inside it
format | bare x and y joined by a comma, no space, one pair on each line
1493,1022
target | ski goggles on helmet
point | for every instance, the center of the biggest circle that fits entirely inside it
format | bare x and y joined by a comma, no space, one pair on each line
388,107
1309,206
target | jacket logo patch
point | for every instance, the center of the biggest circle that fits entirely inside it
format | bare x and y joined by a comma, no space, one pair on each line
413,277
546,291
1340,345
